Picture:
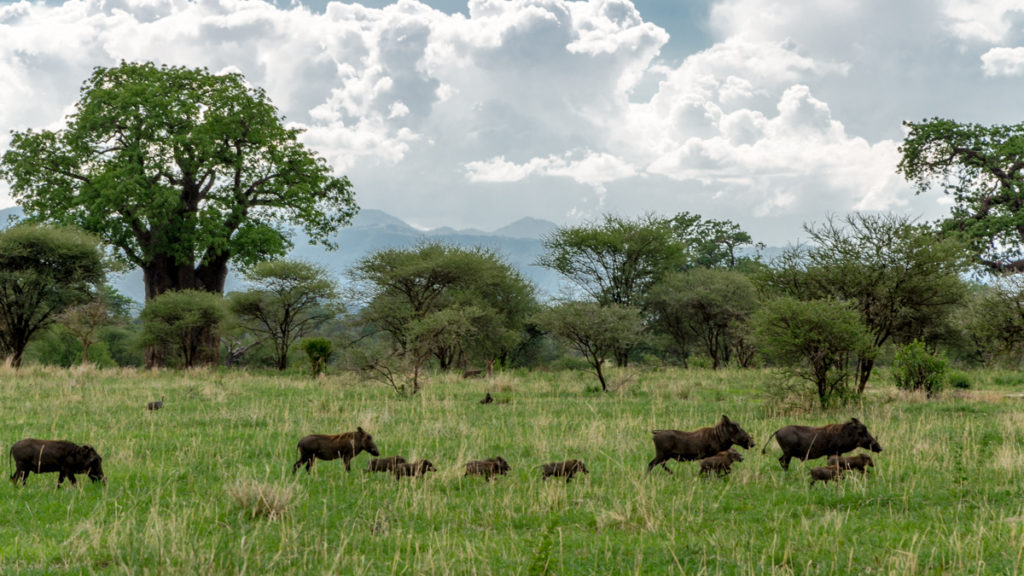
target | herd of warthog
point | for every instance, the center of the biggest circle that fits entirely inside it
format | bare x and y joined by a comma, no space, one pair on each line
712,446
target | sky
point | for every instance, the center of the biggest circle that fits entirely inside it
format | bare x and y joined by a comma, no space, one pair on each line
473,114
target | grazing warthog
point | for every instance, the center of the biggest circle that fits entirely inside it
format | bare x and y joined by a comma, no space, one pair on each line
155,405
328,447
700,443
810,442
857,462
68,458
384,464
415,469
569,468
825,474
487,399
487,468
721,463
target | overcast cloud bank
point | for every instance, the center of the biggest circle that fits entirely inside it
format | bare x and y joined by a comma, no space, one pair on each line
564,110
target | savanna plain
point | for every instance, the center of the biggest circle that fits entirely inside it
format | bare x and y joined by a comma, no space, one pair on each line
205,485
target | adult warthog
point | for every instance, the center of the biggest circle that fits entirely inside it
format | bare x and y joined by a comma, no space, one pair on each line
698,444
68,458
810,442
330,446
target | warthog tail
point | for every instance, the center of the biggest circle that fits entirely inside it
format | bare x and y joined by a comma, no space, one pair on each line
763,450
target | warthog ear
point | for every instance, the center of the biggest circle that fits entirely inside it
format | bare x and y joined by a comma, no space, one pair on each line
360,430
854,420
726,419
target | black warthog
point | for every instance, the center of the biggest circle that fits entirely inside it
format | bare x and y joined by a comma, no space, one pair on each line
721,463
858,462
700,443
68,458
415,469
384,464
487,468
329,447
810,442
569,468
825,474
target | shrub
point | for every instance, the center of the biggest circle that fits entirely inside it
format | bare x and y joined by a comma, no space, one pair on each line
958,379
319,352
915,368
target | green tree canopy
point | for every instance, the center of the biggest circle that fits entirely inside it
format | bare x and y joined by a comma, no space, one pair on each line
982,169
616,260
900,276
289,299
179,169
713,243
43,271
708,306
179,321
595,331
813,339
489,299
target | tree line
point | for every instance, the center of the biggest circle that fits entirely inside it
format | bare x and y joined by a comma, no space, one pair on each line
182,173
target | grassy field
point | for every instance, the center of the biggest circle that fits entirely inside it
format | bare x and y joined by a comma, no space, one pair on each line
204,486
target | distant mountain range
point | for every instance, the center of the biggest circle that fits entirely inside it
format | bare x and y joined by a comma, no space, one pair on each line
519,243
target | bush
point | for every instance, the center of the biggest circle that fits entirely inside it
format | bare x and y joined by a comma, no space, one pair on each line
915,368
319,352
958,379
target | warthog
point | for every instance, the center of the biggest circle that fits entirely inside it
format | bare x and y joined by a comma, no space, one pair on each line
857,462
158,404
700,443
487,468
569,468
721,463
416,469
487,399
384,464
810,442
68,458
328,447
825,474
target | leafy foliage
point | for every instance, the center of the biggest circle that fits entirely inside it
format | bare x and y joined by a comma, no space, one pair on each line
900,276
915,368
703,305
595,331
289,300
982,169
178,322
43,271
319,351
617,260
814,340
449,302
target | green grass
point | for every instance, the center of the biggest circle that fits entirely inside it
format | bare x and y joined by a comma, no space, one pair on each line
204,486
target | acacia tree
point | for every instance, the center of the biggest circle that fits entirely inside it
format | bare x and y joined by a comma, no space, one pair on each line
182,171
616,260
813,339
43,271
84,321
703,305
900,276
713,243
982,168
289,300
595,331
402,287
